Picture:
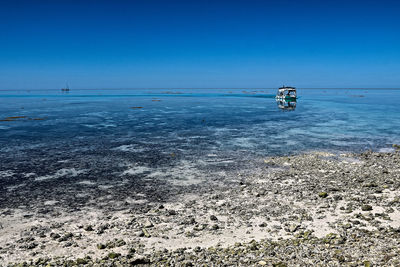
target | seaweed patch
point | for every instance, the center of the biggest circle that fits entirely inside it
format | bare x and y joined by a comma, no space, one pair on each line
15,118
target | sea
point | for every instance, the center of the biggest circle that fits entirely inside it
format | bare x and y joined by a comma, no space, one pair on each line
110,137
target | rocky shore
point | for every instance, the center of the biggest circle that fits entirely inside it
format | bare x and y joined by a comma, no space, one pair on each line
311,209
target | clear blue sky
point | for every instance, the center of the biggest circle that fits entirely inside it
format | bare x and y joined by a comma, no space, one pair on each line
114,44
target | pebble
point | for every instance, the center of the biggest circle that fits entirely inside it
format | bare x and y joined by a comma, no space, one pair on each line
366,207
148,224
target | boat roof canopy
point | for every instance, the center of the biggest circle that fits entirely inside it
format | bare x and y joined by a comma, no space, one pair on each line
287,88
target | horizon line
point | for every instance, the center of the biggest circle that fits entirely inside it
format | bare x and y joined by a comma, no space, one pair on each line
211,88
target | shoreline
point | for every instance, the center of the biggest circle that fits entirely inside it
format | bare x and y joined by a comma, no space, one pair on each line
313,208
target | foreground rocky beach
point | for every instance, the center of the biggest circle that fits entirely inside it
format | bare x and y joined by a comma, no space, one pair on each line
311,209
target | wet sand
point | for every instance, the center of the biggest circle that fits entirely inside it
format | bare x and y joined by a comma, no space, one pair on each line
310,209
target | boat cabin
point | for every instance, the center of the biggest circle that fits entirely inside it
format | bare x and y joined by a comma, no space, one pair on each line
286,92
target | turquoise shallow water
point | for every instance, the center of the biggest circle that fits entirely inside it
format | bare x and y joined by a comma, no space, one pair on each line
248,120
80,147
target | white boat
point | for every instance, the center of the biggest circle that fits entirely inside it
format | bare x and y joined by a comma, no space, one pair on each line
287,93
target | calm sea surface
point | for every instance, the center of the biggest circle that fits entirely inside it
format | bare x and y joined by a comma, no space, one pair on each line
203,120
98,135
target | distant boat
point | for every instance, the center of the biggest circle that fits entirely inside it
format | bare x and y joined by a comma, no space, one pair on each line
66,89
287,93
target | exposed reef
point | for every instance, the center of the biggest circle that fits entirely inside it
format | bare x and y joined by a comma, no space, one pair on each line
310,209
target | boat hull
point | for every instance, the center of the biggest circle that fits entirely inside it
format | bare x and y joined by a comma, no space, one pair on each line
287,98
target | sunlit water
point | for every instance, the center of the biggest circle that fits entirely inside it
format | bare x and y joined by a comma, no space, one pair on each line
179,134
206,120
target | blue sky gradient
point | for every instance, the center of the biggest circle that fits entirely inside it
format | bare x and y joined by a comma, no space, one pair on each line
136,44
